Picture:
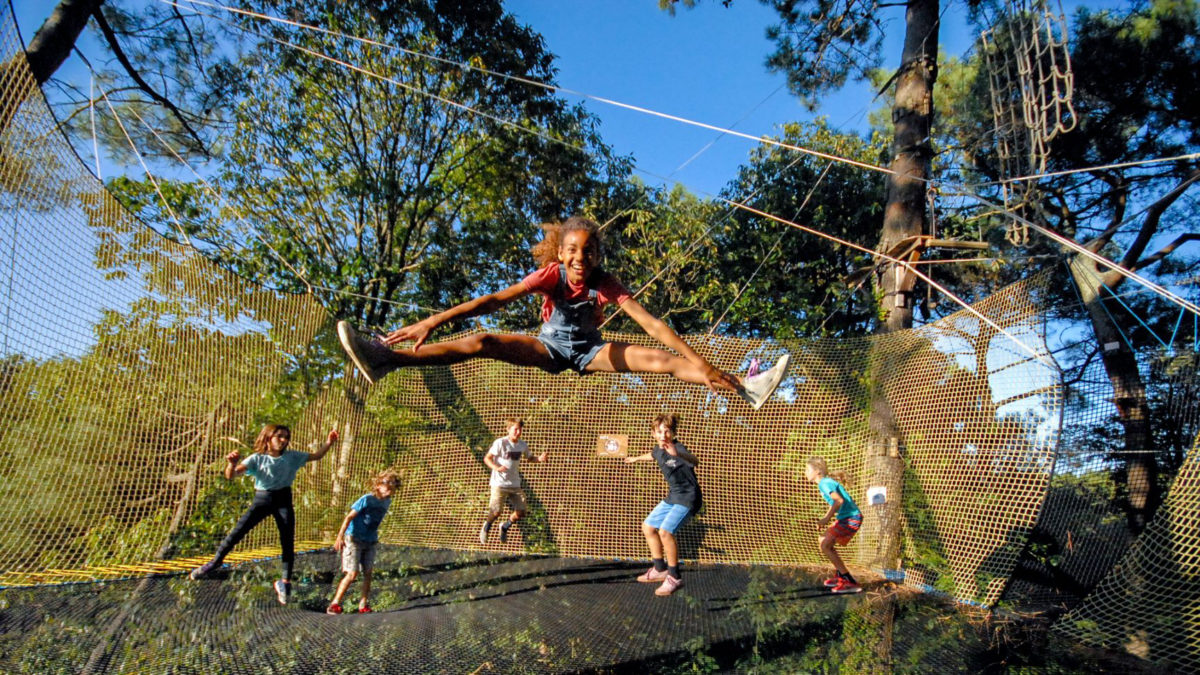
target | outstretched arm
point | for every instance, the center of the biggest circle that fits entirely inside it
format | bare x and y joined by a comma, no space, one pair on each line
321,451
484,304
659,330
648,457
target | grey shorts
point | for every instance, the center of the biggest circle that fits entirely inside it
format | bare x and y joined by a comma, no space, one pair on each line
358,556
570,349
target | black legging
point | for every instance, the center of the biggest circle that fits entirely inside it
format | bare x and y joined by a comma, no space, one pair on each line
277,503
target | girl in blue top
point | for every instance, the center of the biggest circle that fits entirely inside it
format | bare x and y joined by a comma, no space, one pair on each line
849,519
274,468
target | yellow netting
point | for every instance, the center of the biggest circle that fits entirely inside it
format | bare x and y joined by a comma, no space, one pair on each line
129,361
1149,604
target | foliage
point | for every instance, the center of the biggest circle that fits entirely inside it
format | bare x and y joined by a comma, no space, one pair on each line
783,282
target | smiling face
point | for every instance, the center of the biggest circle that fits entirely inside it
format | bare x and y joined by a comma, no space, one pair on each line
663,435
279,442
514,431
579,253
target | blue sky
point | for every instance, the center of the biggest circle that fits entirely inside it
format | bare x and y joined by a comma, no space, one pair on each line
705,64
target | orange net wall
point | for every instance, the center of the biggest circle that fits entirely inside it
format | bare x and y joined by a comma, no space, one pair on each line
978,446
131,366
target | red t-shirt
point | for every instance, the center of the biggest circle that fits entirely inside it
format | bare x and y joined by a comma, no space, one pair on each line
544,281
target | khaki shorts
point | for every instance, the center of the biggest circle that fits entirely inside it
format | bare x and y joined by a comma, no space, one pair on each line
515,497
358,556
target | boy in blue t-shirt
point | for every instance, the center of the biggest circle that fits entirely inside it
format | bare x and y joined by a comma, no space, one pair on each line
846,521
357,538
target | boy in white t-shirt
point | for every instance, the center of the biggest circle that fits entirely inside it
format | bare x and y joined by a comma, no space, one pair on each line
504,458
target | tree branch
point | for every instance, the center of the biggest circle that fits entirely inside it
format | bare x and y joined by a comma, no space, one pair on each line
111,37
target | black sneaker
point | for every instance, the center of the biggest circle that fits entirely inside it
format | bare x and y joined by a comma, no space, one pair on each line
204,571
483,533
504,532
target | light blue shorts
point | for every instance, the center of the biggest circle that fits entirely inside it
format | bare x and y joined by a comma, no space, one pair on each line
667,517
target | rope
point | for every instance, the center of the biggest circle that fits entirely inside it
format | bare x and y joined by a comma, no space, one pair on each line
904,264
1079,248
554,89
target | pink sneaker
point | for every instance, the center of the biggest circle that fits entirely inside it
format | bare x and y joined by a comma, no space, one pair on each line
669,586
652,576
844,585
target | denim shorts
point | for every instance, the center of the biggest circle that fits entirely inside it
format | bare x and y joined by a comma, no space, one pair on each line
667,517
570,348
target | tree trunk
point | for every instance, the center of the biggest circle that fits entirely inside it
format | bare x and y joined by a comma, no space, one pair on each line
912,117
904,217
53,42
1139,467
50,46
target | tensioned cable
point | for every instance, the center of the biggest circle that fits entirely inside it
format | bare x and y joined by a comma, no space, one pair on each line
249,230
590,97
767,257
146,169
550,87
564,90
1082,250
1101,167
902,263
636,108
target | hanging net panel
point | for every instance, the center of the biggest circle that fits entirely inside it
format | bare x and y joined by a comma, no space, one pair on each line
1149,604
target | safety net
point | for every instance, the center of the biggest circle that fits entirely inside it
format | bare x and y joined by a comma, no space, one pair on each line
132,365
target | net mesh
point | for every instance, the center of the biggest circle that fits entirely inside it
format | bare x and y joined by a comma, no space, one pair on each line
1029,75
1149,604
132,365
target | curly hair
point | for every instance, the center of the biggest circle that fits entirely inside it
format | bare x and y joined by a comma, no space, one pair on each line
546,250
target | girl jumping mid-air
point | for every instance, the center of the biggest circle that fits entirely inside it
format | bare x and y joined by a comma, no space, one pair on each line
575,289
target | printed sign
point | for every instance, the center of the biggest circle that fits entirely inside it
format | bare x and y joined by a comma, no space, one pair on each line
612,445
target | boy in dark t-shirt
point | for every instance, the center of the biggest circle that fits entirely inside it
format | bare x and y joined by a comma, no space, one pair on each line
682,500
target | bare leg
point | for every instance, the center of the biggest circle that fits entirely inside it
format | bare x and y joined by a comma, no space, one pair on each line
653,541
520,350
827,547
343,587
670,549
366,589
621,357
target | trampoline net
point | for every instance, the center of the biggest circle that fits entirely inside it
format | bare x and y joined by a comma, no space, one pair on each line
131,365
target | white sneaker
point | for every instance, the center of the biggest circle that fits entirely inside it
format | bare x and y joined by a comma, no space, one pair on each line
756,390
362,351
282,591
483,533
